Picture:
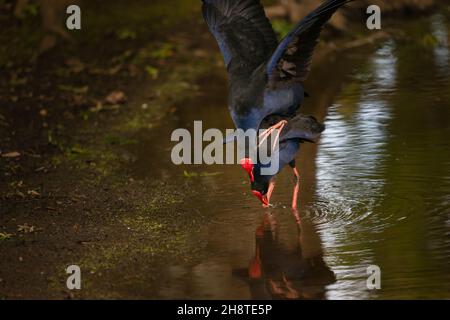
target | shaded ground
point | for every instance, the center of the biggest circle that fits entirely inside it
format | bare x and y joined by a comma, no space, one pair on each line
66,192
67,195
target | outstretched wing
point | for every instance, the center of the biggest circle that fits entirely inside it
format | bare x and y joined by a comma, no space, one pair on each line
243,32
292,58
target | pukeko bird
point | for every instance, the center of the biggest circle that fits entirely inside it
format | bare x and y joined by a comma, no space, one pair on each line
266,78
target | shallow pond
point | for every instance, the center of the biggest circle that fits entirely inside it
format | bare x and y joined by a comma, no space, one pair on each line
375,190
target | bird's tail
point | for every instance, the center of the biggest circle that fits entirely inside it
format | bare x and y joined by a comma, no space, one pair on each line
304,128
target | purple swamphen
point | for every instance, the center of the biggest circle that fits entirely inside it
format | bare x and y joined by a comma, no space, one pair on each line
266,78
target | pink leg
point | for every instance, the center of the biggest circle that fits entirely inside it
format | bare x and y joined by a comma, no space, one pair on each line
270,191
296,188
296,174
296,216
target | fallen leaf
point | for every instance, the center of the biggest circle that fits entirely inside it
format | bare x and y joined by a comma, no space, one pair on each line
187,174
25,228
5,236
16,184
77,90
210,174
152,72
98,107
34,193
13,154
116,97
115,70
20,194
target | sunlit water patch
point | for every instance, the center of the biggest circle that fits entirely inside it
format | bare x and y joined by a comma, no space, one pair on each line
441,50
372,178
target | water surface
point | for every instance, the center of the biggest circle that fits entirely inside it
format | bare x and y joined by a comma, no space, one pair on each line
375,190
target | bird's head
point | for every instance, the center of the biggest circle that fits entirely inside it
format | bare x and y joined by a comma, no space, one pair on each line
259,187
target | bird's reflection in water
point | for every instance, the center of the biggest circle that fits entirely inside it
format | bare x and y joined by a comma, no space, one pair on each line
279,272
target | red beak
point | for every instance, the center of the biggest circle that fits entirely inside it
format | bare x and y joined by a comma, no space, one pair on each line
262,198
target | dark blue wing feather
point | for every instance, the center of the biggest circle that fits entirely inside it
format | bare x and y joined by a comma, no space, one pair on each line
213,18
292,58
243,32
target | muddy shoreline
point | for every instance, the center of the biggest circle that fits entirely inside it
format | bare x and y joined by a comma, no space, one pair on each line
67,197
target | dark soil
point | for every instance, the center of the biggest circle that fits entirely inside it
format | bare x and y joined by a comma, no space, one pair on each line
67,195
